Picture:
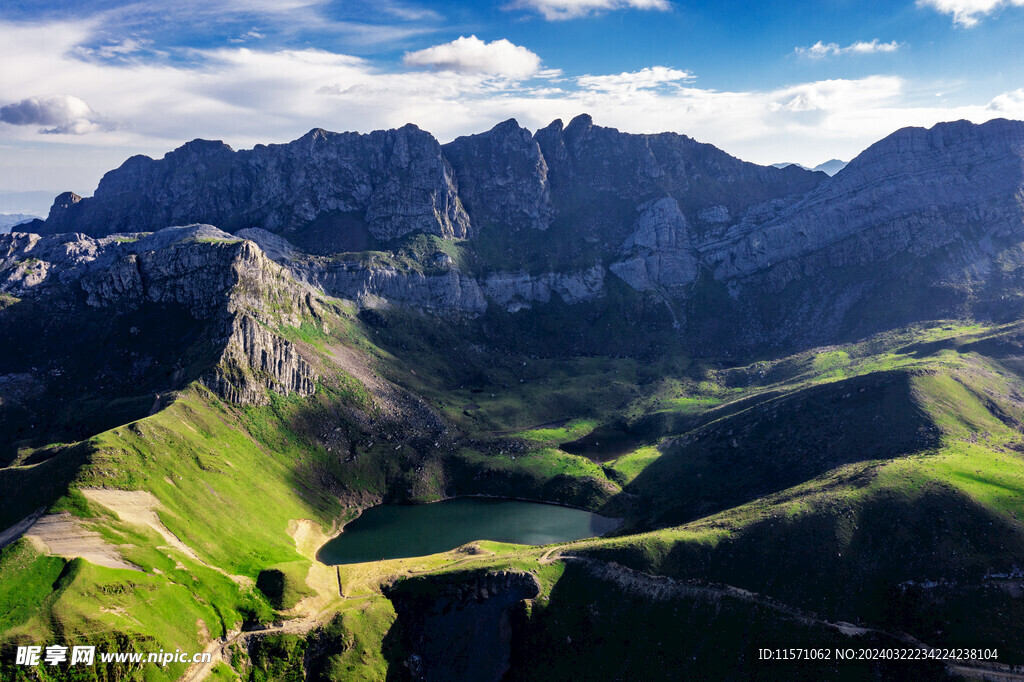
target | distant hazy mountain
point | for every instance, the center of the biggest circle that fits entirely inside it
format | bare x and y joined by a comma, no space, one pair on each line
9,220
787,164
829,167
34,203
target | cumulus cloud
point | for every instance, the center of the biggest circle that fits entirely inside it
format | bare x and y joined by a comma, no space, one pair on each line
644,79
554,10
250,96
472,55
1009,103
820,49
66,113
968,13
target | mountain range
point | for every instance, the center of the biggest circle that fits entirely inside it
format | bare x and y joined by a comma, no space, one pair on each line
801,391
830,167
10,220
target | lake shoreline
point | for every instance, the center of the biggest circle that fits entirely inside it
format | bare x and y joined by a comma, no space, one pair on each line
438,531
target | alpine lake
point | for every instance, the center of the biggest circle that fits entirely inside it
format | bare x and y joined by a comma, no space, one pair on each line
395,531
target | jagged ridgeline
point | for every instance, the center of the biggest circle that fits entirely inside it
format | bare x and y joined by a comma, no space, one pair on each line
803,395
922,225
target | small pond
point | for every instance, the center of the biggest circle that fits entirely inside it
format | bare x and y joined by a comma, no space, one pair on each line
393,531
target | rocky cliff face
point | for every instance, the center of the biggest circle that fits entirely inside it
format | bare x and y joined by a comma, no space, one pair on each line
255,360
916,191
460,628
232,291
924,224
327,189
603,176
503,178
661,251
389,183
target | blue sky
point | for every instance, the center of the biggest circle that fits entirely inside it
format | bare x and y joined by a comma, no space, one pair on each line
84,85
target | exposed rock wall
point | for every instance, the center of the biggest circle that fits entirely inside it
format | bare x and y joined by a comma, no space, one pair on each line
235,293
915,191
449,291
518,290
460,629
256,360
503,178
661,251
397,181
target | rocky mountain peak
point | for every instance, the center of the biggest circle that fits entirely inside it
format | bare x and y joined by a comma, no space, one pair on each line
502,178
382,185
509,125
199,147
64,201
315,136
579,125
554,127
956,143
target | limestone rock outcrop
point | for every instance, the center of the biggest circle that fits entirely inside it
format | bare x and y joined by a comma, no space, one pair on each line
391,183
924,224
227,285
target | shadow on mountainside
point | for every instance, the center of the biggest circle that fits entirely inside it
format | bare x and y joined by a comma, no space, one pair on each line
112,368
781,442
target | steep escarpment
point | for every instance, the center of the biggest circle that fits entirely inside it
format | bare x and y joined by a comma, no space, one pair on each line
924,225
150,311
503,178
256,360
382,186
459,628
330,192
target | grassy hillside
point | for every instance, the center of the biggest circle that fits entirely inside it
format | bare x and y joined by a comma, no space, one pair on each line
878,483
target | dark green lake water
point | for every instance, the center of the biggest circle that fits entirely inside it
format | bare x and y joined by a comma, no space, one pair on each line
394,531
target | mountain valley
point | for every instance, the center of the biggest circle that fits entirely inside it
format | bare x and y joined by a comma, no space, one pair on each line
802,394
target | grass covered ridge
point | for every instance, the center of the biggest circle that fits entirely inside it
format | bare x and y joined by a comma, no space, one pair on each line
837,481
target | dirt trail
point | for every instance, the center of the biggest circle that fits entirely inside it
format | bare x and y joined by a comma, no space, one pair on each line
138,507
64,535
309,613
220,649
17,530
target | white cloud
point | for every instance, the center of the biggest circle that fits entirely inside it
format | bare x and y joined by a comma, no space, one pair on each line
251,96
66,113
1010,103
472,55
968,13
820,49
554,10
644,79
122,48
